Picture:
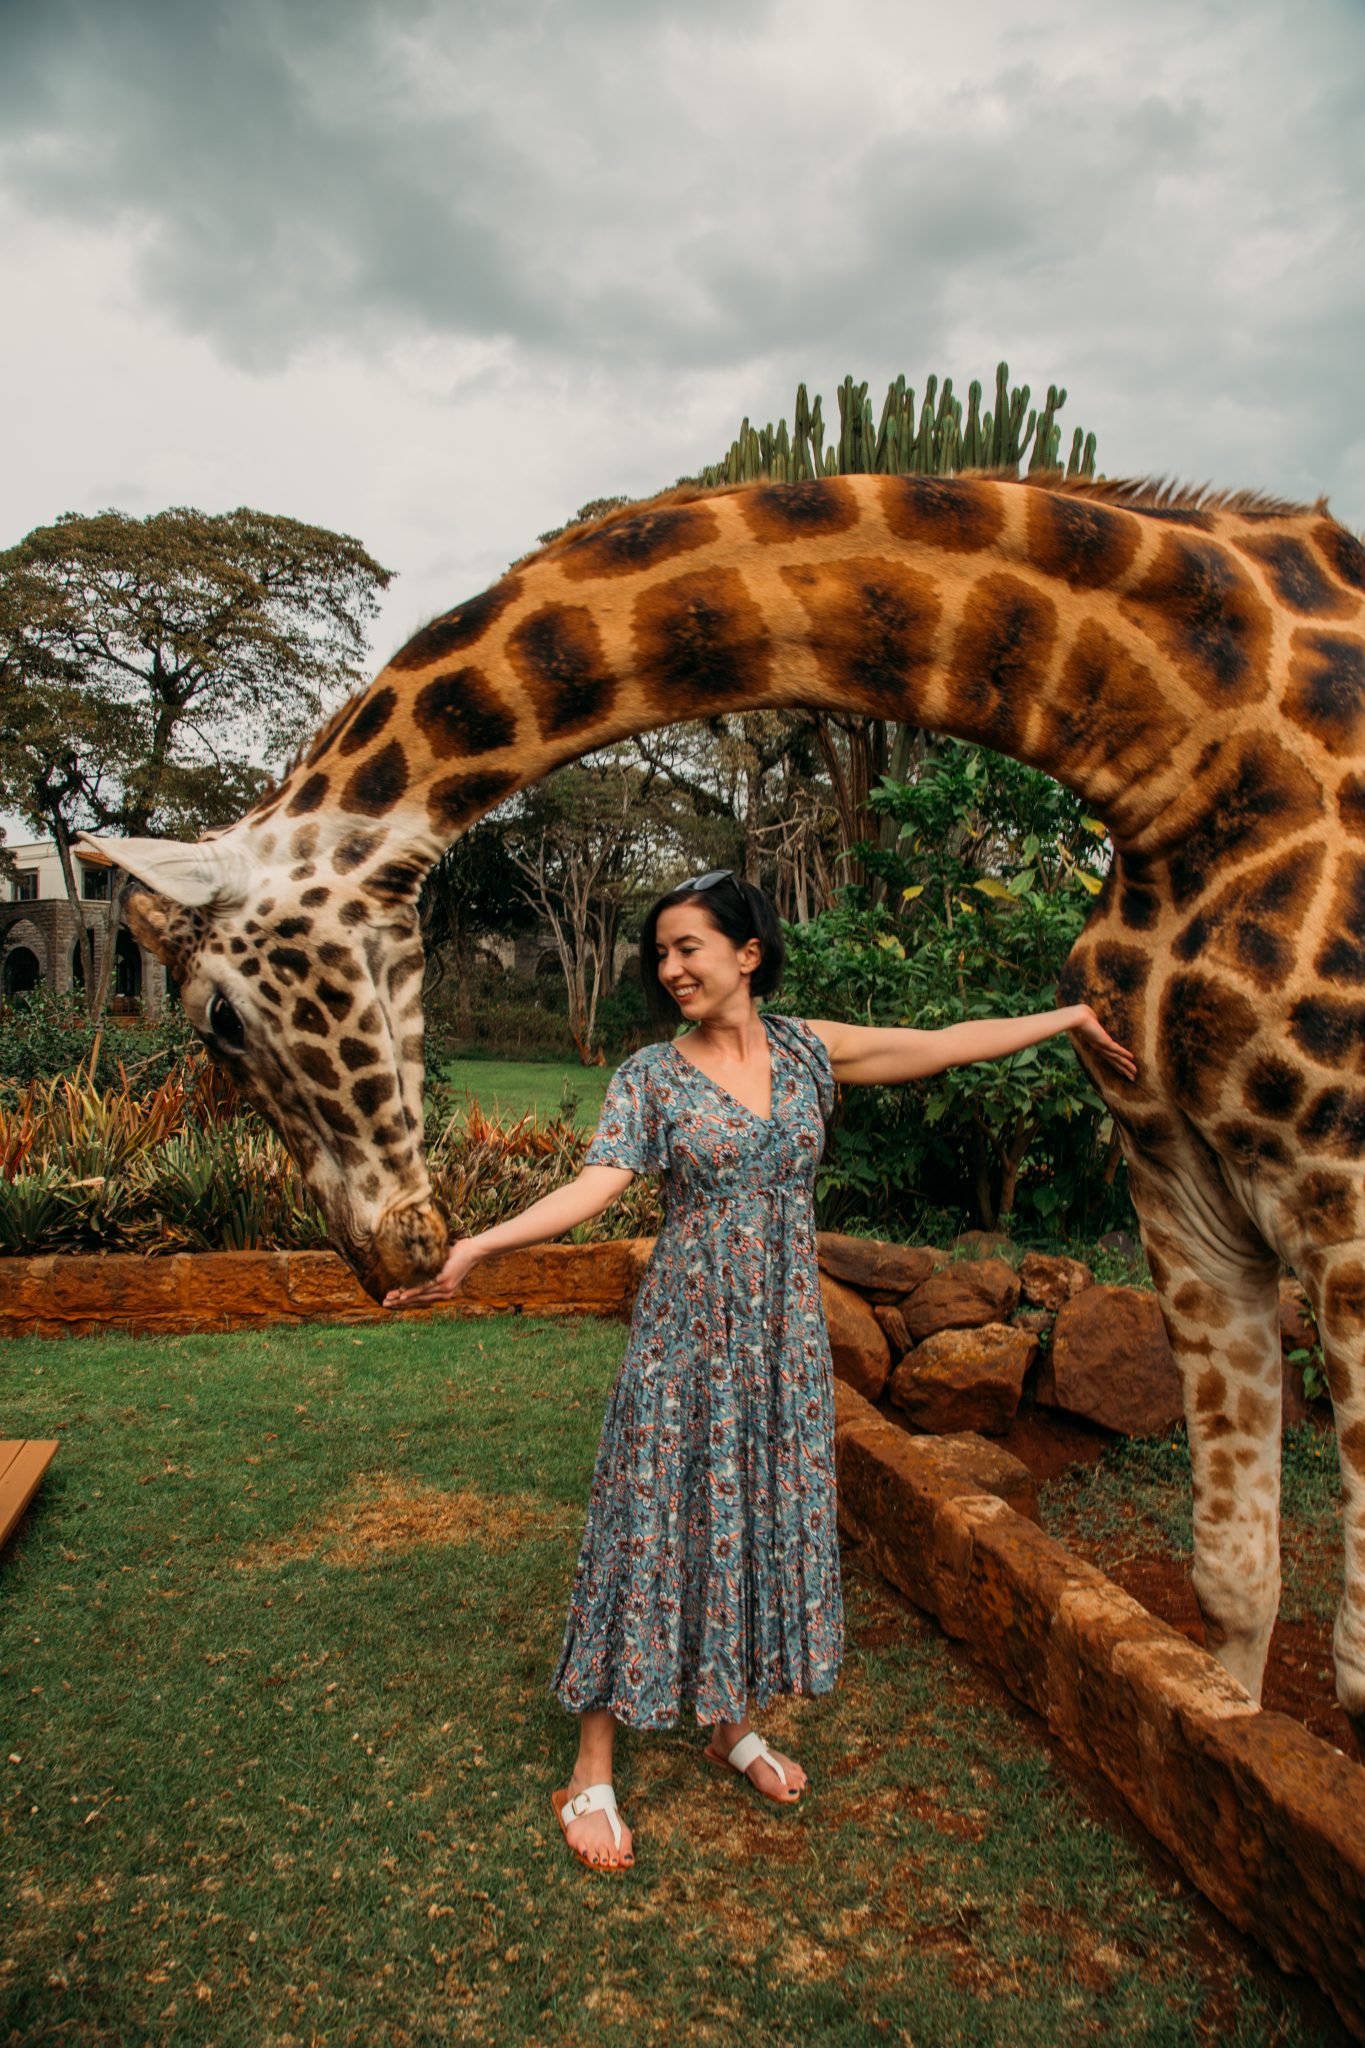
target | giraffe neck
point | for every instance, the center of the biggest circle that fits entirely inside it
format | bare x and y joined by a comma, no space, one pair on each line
1118,647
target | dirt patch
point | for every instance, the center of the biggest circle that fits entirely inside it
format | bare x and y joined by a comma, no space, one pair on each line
1298,1675
380,1514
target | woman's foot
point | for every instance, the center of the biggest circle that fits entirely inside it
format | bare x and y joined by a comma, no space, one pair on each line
726,1737
591,1834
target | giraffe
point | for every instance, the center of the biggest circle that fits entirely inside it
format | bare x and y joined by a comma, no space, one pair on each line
1193,665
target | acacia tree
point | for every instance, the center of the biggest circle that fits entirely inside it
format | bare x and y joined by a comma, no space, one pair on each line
148,665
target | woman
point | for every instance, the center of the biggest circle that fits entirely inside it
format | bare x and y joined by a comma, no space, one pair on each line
709,1571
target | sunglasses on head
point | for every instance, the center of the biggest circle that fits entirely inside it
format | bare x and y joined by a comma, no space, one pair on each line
709,879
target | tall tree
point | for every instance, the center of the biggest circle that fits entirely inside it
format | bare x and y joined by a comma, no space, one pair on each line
148,665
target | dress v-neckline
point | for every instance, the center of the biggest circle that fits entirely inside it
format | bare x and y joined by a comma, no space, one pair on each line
721,1090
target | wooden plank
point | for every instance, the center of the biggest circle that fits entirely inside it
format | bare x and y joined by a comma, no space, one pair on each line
22,1465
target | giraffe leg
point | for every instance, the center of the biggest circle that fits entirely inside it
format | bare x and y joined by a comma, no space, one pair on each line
1218,1287
1335,1280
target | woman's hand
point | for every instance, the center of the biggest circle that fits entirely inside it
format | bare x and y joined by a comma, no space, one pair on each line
1091,1032
463,1254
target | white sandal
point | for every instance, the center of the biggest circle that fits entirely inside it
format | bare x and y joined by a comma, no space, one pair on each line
748,1750
593,1799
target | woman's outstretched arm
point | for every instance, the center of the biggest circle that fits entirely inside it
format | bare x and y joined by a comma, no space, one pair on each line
885,1055
594,1189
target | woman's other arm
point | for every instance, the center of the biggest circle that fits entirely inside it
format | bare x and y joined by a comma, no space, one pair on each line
594,1190
869,1054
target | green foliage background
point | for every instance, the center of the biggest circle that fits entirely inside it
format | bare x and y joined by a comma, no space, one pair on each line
994,869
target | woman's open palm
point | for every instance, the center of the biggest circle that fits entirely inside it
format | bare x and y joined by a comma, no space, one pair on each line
444,1285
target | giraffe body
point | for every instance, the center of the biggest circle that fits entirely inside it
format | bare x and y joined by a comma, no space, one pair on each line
1193,667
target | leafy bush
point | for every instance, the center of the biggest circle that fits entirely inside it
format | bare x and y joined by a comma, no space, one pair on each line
43,1035
182,1166
991,878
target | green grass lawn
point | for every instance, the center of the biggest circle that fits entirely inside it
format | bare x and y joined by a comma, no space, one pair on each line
275,1642
509,1088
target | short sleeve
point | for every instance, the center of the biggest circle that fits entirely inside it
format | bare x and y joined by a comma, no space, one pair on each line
630,1131
809,1046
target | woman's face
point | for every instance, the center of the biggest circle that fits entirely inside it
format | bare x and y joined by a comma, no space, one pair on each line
698,965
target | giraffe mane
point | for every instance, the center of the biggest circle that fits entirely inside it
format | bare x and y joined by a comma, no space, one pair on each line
1164,494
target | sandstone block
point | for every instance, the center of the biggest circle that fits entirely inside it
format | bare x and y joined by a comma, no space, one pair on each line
556,1280
881,1271
965,1379
893,1323
1047,1282
968,1463
962,1296
322,1284
856,1340
1037,1321
1111,1362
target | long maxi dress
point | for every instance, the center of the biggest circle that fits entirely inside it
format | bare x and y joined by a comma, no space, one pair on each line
709,1570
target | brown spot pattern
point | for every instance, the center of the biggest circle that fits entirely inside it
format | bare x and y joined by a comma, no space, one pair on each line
1105,716
636,541
459,629
1088,546
1257,795
1343,551
1295,575
459,712
378,783
1201,609
557,652
457,799
871,626
1326,693
999,660
701,644
374,713
1203,1025
808,510
962,518
1253,925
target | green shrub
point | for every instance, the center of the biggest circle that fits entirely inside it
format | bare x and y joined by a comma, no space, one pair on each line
43,1035
183,1167
992,877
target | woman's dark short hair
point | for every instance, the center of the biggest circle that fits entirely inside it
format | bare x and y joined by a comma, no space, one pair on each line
736,908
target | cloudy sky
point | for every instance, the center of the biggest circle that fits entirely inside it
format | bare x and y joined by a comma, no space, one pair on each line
438,274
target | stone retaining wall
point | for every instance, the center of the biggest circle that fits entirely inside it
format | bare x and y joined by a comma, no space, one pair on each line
1265,1818
61,1296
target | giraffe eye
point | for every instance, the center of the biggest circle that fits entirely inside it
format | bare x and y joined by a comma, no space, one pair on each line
226,1025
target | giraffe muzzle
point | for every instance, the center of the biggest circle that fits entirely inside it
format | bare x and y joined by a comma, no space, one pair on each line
409,1246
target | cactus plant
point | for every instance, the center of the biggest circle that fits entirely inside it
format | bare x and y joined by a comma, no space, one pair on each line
928,439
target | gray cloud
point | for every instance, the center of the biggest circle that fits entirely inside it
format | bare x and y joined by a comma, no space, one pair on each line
1158,207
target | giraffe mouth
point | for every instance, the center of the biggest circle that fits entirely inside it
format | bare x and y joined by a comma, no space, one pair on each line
408,1246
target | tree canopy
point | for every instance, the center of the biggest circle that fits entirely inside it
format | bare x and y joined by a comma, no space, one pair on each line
150,668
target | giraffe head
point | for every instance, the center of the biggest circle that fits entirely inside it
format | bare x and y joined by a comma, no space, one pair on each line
309,992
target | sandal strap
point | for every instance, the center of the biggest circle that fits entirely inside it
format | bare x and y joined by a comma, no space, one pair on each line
592,1799
748,1750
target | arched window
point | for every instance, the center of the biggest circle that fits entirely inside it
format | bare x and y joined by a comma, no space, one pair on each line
21,972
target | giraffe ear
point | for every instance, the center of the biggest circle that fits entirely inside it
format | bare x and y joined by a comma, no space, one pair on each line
192,874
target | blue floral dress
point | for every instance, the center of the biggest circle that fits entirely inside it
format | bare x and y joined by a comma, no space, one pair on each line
709,1571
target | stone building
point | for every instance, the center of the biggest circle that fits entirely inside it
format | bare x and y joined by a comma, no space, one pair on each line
39,933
